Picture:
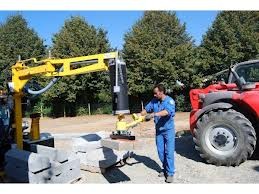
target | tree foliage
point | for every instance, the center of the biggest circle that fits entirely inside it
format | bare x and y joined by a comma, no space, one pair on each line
233,37
17,38
78,38
157,49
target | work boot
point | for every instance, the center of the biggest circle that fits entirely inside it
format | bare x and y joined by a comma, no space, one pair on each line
169,179
162,174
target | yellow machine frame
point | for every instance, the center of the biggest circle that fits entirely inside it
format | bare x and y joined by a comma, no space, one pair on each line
22,73
122,125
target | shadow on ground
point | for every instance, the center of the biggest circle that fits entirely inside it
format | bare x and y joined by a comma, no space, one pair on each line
148,162
112,174
115,175
256,168
184,146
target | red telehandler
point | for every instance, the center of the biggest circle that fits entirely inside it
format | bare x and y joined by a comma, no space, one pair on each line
224,116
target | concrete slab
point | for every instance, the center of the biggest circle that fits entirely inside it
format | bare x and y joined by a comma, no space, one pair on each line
93,169
88,142
81,145
45,141
117,144
52,153
58,173
27,160
86,136
101,158
122,144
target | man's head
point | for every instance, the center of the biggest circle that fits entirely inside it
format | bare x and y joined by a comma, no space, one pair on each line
159,91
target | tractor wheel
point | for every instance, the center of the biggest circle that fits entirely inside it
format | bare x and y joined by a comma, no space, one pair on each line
224,137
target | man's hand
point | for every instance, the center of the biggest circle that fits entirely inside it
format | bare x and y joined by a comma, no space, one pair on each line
143,112
148,117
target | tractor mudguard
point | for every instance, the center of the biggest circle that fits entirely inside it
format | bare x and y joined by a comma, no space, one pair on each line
196,114
215,106
216,96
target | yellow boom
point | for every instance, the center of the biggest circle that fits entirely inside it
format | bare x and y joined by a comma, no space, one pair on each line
22,73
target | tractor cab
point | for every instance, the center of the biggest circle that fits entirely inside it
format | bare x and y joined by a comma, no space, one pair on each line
245,75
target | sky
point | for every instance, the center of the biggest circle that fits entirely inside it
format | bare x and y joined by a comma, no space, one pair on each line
117,23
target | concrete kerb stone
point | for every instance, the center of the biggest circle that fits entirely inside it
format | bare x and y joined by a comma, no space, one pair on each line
100,159
27,160
102,134
88,142
80,145
48,165
117,144
52,153
58,173
123,144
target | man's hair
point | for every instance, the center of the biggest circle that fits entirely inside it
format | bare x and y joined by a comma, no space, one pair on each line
160,87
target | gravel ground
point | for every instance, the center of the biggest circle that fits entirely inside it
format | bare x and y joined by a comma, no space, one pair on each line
143,167
190,168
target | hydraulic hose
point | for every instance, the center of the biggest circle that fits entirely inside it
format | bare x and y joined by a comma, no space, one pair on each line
47,87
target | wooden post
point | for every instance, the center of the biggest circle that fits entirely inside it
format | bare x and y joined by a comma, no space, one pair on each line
142,105
64,110
89,109
41,110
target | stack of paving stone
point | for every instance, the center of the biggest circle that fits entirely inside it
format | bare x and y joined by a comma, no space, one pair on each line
42,165
95,157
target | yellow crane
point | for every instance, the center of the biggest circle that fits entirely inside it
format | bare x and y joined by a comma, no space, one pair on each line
22,72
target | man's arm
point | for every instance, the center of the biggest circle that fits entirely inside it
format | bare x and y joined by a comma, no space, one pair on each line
162,113
148,108
169,110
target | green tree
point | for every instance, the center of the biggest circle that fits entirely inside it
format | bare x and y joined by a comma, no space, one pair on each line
78,38
17,38
157,49
233,37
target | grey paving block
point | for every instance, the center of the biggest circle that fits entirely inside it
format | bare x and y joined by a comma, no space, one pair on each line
123,144
102,157
52,153
88,136
93,169
81,145
117,144
88,142
58,173
27,160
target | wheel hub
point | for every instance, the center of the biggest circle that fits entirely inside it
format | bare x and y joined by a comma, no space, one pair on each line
221,139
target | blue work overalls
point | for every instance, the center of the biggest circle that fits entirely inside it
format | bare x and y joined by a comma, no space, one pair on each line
165,132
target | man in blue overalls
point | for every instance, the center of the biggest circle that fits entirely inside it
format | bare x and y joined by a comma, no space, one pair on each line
162,108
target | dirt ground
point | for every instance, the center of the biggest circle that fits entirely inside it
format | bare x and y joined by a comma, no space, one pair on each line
94,123
143,167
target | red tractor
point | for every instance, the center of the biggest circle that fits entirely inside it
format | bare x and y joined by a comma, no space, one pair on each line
224,119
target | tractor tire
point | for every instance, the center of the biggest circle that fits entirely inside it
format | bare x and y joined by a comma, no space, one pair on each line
224,137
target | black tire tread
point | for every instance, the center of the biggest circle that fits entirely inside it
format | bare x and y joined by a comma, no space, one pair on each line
248,131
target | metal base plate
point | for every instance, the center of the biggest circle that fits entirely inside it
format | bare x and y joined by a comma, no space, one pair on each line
117,136
45,142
